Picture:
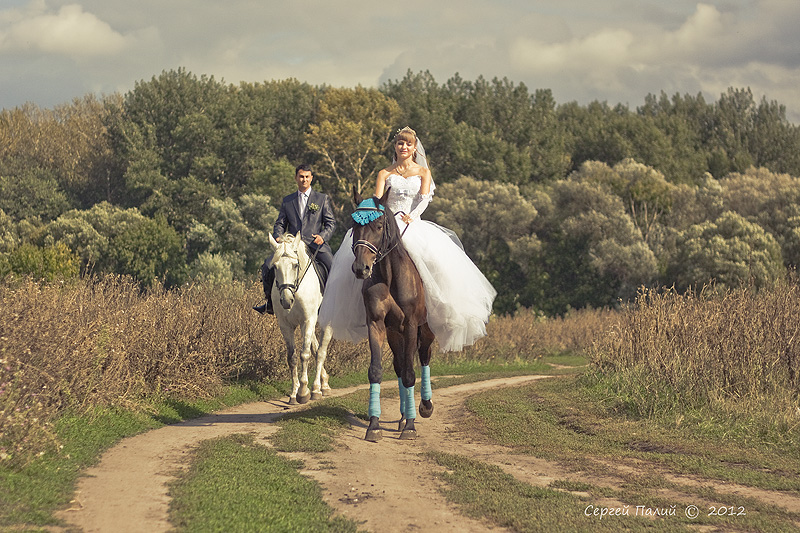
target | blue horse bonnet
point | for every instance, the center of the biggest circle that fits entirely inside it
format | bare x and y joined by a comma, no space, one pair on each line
366,211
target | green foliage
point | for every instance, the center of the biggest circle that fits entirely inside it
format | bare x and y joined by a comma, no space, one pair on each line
771,201
491,130
9,235
495,223
50,263
149,251
274,181
32,193
66,144
645,192
729,251
593,253
109,239
352,131
212,161
211,268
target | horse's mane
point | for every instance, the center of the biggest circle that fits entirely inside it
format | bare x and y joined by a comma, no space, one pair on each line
391,231
288,243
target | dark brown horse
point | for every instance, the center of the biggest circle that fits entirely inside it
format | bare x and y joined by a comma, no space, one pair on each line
395,303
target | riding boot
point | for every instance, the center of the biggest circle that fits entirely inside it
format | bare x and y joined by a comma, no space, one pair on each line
267,280
265,307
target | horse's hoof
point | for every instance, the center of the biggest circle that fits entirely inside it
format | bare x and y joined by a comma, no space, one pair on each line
408,434
373,435
401,424
292,401
316,396
303,399
425,408
326,391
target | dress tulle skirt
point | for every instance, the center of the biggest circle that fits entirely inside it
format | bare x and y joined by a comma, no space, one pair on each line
458,296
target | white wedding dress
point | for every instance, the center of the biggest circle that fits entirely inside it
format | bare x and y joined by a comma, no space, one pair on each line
458,296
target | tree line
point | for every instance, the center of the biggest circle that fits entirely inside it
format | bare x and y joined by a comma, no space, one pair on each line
561,205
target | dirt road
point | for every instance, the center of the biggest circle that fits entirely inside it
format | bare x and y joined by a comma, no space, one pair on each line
386,486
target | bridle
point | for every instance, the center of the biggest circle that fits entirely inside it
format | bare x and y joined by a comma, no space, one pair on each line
299,279
379,254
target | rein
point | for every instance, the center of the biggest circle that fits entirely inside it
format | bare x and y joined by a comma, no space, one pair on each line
296,285
379,254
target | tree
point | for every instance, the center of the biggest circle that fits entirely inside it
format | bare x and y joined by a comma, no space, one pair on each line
67,143
495,224
351,136
108,239
49,263
729,251
492,130
236,235
645,192
770,200
32,193
592,252
149,250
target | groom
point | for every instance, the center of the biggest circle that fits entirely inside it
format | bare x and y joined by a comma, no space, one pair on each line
308,212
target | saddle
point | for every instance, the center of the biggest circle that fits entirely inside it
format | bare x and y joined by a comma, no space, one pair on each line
322,273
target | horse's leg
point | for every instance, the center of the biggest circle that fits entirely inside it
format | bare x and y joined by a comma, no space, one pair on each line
321,381
396,344
426,339
409,380
308,334
288,338
315,388
377,333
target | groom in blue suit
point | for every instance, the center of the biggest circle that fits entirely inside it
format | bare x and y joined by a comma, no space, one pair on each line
310,213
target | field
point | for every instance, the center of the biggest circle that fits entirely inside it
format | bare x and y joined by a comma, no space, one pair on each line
660,405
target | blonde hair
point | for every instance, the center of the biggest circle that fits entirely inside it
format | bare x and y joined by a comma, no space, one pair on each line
406,134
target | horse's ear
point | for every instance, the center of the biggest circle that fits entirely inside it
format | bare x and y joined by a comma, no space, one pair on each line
273,242
356,196
298,242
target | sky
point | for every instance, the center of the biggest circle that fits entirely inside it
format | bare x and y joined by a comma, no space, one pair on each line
617,51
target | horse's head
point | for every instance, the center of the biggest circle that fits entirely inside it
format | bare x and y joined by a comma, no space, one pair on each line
288,257
373,232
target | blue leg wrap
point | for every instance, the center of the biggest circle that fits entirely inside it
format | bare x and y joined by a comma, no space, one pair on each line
410,410
375,399
426,393
402,396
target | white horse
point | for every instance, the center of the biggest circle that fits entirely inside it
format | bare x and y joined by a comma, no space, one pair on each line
297,287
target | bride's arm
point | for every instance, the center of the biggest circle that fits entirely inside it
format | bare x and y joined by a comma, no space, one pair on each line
425,194
380,183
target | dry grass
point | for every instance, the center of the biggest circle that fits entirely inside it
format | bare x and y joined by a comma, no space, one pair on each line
528,335
104,342
739,351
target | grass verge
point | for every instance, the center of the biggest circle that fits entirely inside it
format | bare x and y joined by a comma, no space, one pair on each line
31,495
485,492
651,463
235,484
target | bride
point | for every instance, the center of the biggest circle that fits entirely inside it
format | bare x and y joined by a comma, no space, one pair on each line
458,296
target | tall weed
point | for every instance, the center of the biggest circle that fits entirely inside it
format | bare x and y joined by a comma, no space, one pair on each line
738,352
105,342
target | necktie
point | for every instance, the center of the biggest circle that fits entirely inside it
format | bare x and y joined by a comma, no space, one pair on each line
302,199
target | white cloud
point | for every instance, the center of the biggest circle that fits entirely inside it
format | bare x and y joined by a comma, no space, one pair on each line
618,50
70,32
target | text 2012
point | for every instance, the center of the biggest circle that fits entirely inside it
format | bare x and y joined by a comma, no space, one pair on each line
726,511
